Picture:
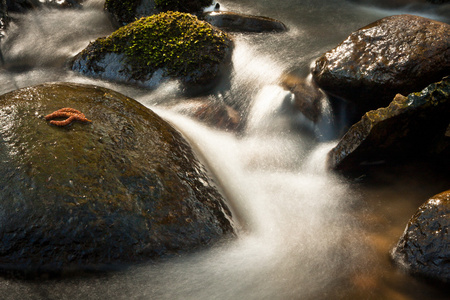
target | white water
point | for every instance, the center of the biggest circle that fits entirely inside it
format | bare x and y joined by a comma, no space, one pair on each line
300,235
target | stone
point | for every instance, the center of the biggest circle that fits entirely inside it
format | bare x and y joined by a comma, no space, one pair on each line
159,48
213,113
125,12
307,96
424,247
235,22
123,188
397,54
409,127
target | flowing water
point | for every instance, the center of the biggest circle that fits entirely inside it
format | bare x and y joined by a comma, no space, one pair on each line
303,233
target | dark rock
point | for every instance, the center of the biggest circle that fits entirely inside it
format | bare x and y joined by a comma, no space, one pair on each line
424,248
235,22
409,127
397,54
125,12
308,97
438,1
152,50
124,188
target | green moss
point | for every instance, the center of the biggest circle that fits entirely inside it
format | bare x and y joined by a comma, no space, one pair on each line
124,10
176,42
182,5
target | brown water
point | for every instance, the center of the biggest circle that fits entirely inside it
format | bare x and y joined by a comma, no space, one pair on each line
304,233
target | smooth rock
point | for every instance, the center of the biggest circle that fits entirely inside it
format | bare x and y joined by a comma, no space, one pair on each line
124,188
397,54
235,22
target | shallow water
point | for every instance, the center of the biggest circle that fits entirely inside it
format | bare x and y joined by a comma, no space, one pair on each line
303,233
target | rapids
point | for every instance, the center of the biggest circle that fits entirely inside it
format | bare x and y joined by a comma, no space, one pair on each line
303,233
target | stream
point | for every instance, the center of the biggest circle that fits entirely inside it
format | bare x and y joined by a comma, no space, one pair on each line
302,231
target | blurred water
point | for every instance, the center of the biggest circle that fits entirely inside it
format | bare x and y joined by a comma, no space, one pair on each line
303,233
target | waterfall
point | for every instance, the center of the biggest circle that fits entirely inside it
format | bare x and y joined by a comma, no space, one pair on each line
303,232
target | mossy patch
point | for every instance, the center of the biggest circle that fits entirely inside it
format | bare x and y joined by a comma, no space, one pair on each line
176,42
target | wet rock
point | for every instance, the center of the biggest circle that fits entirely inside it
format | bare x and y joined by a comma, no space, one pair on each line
152,50
424,248
397,54
235,22
307,96
214,113
409,127
123,188
125,12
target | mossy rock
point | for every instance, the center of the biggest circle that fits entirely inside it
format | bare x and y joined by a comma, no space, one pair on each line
410,127
154,49
125,12
124,188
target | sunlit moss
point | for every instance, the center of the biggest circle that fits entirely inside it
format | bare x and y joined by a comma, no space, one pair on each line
176,42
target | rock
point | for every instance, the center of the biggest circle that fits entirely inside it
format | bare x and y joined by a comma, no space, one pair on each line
397,54
307,96
159,48
125,12
230,21
409,127
424,247
124,188
214,113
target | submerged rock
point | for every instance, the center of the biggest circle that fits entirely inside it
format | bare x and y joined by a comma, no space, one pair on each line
397,54
230,21
214,113
409,127
307,96
159,48
125,12
123,188
424,247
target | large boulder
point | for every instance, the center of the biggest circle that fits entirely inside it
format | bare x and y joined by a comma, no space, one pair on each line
397,54
122,188
155,49
235,22
424,247
125,12
410,127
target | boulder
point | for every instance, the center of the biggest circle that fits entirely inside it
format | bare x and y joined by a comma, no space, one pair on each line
307,96
121,187
397,54
424,247
159,48
235,22
409,127
125,12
